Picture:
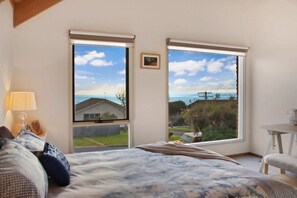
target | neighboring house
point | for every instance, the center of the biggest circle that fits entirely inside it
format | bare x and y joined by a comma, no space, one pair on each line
94,108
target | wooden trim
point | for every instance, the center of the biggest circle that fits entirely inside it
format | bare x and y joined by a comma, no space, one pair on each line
243,154
26,9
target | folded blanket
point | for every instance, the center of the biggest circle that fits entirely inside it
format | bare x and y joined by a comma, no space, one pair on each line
186,150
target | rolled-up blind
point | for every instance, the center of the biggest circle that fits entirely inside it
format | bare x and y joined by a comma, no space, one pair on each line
81,37
206,47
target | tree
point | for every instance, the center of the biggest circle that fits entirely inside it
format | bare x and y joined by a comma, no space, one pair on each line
121,96
108,116
176,107
175,111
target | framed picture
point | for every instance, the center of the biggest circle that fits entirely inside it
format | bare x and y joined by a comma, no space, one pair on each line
150,61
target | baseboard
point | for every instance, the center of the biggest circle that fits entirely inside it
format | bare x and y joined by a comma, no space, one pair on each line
243,154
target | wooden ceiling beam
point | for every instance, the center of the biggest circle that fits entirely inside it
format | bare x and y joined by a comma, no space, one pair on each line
26,9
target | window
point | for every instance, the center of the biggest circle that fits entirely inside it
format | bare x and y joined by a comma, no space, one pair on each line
205,91
100,82
100,90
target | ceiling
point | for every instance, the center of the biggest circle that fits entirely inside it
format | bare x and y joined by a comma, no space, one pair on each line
26,9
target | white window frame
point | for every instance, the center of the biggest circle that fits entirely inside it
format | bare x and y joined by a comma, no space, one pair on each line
241,53
94,38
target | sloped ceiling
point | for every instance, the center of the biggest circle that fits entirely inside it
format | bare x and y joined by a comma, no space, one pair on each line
26,9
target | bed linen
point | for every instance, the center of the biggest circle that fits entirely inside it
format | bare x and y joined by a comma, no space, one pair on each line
139,173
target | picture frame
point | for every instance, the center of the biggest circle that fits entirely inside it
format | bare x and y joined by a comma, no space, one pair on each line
150,61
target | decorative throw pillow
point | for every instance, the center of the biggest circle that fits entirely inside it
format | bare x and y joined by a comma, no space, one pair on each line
29,140
36,128
55,164
21,174
5,133
2,141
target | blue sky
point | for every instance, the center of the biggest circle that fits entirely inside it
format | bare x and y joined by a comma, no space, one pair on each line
99,70
193,72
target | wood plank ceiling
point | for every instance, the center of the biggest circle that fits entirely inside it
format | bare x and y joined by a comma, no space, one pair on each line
26,9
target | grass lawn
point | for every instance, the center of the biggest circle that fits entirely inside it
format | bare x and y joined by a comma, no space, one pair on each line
113,140
183,129
174,137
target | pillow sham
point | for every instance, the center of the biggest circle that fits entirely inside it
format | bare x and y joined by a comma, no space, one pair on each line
55,164
6,133
30,141
21,174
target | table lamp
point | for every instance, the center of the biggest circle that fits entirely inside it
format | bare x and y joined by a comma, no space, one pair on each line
23,101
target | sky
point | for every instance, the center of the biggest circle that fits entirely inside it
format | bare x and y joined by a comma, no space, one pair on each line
99,70
193,72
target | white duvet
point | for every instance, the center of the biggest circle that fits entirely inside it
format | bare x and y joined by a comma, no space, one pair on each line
138,173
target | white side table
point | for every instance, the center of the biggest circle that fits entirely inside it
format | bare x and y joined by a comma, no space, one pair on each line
277,130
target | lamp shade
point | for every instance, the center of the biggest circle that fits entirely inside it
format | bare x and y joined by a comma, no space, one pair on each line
23,101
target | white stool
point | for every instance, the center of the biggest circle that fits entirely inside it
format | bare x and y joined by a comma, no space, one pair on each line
282,161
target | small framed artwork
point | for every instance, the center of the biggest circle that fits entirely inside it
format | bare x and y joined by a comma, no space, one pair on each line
150,61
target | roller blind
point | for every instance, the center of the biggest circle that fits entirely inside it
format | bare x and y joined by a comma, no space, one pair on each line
206,47
81,37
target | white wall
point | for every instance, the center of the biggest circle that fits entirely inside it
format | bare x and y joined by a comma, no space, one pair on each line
42,58
273,65
6,32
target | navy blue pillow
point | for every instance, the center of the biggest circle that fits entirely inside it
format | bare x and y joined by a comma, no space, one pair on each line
55,164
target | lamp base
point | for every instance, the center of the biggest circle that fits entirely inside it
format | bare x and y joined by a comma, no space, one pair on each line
23,117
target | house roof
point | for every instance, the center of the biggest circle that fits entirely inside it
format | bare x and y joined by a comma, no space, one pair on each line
93,101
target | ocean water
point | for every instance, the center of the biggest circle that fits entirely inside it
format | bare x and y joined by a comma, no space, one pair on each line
187,98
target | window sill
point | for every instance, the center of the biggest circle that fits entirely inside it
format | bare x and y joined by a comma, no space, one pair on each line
85,124
218,142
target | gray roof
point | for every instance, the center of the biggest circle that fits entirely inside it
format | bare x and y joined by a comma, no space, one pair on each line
93,101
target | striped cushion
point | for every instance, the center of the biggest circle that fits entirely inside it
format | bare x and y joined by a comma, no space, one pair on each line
21,174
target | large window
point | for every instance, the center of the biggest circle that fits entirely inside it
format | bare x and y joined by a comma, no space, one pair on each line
100,90
205,92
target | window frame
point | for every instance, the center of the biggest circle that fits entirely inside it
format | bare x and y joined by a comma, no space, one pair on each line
241,53
127,81
126,40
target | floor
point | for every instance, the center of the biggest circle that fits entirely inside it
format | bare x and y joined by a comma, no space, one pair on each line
253,162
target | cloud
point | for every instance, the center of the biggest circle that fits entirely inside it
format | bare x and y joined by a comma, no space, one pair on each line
100,63
121,85
214,66
84,59
232,68
180,81
122,72
98,89
79,60
84,77
228,86
190,68
205,78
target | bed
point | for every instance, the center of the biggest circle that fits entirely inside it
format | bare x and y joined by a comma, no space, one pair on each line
164,170
30,167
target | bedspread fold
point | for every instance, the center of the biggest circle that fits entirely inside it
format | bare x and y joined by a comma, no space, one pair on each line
185,150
